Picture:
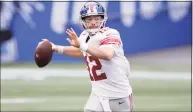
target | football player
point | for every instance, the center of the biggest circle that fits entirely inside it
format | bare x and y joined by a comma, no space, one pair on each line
102,49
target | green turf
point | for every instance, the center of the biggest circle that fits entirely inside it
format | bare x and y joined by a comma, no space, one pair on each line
65,94
134,66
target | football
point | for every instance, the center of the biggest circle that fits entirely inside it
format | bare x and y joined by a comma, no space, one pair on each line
43,53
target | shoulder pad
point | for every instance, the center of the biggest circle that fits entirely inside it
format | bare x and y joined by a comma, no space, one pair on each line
112,32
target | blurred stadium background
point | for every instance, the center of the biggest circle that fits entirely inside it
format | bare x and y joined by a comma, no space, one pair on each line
157,38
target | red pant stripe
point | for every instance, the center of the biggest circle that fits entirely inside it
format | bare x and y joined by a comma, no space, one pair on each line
131,102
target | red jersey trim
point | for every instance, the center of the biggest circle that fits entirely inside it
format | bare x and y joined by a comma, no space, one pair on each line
110,40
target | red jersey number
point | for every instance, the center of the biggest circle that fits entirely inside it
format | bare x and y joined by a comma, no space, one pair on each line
94,76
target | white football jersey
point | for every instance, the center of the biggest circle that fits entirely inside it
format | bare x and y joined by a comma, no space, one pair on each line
109,78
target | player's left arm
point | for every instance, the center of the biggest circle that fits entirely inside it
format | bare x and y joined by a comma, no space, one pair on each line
108,46
105,53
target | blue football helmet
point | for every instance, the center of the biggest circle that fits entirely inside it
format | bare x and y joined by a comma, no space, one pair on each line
91,9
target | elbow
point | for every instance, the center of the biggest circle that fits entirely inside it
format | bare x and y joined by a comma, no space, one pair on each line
108,57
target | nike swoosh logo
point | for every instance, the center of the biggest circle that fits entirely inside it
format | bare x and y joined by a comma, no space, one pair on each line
121,102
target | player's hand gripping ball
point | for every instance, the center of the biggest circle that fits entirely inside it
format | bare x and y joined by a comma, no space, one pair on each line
43,53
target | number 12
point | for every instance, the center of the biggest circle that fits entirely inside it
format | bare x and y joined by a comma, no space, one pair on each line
94,76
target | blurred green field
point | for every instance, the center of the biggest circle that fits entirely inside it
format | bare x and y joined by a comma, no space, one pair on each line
134,66
71,94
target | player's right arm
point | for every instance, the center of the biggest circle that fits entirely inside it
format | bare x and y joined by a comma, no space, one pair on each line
72,50
68,50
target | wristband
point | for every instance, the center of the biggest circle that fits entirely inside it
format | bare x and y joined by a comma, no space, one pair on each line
83,46
60,49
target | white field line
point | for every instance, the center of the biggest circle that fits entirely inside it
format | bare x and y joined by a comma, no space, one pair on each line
42,73
21,100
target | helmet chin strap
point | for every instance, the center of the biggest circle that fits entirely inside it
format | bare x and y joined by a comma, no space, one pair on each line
92,31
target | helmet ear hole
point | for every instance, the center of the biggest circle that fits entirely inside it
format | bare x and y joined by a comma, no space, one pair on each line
83,18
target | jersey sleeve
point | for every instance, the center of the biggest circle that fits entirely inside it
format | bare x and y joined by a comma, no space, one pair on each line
112,40
112,37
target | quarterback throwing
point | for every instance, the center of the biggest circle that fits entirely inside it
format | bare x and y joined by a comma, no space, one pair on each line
102,49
